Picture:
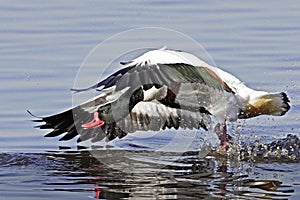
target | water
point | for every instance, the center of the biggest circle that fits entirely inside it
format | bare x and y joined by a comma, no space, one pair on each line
42,45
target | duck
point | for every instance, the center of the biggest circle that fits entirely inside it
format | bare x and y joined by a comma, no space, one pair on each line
163,89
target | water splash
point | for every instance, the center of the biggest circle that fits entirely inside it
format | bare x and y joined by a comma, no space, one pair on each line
282,150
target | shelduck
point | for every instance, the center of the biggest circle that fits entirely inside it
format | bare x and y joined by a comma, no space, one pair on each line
161,89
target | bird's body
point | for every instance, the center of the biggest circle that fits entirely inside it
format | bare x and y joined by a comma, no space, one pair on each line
164,89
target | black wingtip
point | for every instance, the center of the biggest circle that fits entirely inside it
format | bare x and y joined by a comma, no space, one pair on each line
33,115
75,90
125,63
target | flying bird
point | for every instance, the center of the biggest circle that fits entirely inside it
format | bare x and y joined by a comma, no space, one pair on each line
163,89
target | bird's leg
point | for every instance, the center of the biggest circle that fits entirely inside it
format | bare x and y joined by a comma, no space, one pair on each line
223,136
96,122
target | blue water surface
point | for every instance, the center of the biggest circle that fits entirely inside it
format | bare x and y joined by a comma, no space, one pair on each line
44,43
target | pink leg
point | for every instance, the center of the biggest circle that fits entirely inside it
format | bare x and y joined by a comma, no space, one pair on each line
223,136
96,122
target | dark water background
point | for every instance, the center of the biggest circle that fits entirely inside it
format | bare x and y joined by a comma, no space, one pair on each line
42,45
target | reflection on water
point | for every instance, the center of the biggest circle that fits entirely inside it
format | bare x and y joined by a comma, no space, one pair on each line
142,176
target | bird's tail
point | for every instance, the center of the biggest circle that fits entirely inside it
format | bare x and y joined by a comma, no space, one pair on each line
276,104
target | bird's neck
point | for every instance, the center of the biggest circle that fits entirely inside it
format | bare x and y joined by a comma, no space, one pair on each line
121,107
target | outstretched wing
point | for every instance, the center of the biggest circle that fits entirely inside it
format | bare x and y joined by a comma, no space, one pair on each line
145,116
160,74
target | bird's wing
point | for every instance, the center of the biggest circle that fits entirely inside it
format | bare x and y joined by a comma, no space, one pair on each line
145,116
140,74
154,116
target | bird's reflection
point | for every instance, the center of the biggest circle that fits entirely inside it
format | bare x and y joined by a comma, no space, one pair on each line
132,175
